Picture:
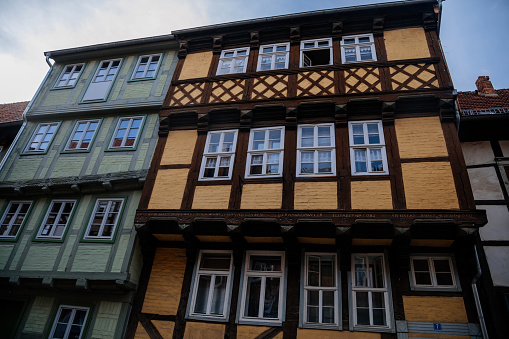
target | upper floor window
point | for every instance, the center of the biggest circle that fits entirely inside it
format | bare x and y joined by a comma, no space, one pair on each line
262,289
273,57
82,135
358,48
69,75
218,156
265,152
321,304
370,292
315,150
69,322
430,272
102,80
212,281
104,219
367,148
14,218
127,132
317,52
146,67
233,61
42,137
56,220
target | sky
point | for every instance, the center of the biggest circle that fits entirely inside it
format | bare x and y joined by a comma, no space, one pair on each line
474,33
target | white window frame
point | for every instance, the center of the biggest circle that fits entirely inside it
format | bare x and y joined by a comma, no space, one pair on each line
263,275
44,128
369,289
357,45
213,273
150,57
71,320
223,58
273,55
316,47
99,87
53,226
218,155
434,286
265,152
366,146
71,73
306,287
126,134
13,219
316,149
99,236
84,132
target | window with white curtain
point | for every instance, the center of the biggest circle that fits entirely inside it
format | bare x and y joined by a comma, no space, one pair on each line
233,61
316,150
370,292
265,152
211,290
367,148
273,56
218,156
358,48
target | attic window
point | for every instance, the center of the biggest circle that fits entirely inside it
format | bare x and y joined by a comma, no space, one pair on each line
358,48
317,52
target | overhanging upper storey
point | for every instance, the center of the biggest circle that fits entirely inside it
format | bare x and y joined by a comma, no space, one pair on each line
127,75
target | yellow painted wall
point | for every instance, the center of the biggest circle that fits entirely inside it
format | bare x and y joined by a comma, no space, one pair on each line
435,309
196,65
408,43
250,332
303,333
211,197
316,195
420,137
429,185
197,330
168,189
164,286
141,333
262,196
179,148
165,328
371,195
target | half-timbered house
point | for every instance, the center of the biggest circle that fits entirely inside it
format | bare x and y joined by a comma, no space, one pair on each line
308,182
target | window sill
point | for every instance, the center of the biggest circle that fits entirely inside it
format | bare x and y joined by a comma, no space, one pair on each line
260,322
63,87
35,153
208,318
75,151
120,149
48,240
374,329
107,241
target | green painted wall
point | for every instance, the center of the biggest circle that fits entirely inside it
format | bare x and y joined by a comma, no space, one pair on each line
107,318
40,257
5,253
91,258
38,315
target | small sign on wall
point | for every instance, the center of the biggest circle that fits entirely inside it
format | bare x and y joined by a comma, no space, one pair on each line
437,326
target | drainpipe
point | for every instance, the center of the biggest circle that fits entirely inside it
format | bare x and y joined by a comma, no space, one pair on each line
439,16
21,130
476,296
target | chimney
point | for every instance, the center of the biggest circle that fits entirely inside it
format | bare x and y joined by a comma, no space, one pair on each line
484,86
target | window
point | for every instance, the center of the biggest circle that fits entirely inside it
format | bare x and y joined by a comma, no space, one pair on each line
265,152
433,273
370,297
13,218
146,67
69,322
212,284
273,57
315,150
102,80
262,292
320,289
56,219
42,137
367,148
233,61
358,48
218,155
316,52
104,219
69,75
82,135
127,132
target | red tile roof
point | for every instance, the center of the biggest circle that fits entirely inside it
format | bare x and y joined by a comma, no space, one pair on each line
471,103
12,112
